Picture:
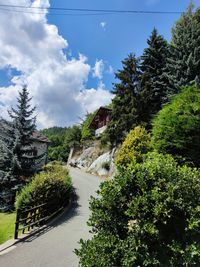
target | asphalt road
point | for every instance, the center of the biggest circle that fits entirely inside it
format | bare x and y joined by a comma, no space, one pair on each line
54,246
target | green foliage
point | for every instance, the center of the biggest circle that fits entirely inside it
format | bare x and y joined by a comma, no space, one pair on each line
73,136
25,124
57,150
148,215
17,157
136,144
125,104
176,129
61,141
106,165
54,131
86,132
54,184
183,64
153,81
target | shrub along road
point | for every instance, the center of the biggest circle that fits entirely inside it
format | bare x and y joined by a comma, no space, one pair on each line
54,246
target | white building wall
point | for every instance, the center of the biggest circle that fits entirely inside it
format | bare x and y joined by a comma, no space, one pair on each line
100,130
41,149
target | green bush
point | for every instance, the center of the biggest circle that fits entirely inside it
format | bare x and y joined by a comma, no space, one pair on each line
134,146
148,215
176,129
86,132
51,186
106,165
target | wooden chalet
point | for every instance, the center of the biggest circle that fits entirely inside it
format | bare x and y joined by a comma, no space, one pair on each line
101,120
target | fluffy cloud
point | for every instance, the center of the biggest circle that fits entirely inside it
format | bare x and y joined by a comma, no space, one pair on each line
98,69
32,46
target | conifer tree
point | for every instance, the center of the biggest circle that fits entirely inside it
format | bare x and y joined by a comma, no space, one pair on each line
126,101
184,61
9,182
17,157
25,124
152,79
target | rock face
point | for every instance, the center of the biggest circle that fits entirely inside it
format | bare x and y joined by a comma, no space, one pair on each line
95,161
98,166
86,158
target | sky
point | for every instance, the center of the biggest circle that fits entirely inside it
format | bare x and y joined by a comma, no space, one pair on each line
68,62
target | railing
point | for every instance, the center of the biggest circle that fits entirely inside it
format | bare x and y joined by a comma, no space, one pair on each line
35,217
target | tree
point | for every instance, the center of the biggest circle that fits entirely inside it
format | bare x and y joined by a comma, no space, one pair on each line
9,182
135,145
58,150
176,128
126,101
25,125
73,136
86,132
148,215
17,157
184,60
153,81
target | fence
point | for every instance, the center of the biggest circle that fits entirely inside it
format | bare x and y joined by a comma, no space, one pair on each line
35,217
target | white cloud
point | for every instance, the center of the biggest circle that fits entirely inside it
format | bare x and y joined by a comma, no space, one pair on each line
110,70
103,24
32,46
98,69
91,99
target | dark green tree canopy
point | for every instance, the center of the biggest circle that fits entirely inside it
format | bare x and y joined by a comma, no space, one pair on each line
17,157
184,61
153,65
126,100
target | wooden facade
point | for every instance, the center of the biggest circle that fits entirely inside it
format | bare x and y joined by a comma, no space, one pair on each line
101,119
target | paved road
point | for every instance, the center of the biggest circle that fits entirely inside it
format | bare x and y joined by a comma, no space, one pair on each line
54,247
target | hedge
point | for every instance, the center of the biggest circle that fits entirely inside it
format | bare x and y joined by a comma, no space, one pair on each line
53,185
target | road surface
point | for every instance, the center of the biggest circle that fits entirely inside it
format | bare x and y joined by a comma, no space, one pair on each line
54,246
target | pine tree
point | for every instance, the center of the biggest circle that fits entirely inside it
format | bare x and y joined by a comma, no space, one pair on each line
184,61
17,157
9,182
152,79
125,103
25,125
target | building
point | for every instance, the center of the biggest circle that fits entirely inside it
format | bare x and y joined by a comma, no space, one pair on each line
40,145
101,120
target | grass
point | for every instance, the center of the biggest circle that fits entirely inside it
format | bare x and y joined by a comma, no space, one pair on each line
7,226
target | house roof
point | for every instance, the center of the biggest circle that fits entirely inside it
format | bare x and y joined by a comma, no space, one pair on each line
100,112
37,136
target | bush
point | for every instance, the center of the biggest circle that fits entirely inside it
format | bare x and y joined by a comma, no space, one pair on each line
134,146
106,165
52,186
148,215
176,129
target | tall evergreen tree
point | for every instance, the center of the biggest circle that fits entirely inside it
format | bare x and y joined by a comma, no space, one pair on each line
9,182
125,103
17,157
25,124
184,61
152,79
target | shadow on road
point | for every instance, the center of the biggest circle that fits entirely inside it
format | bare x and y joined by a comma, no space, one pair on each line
62,218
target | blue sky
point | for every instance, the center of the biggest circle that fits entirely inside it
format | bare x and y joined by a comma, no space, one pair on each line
68,62
122,33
